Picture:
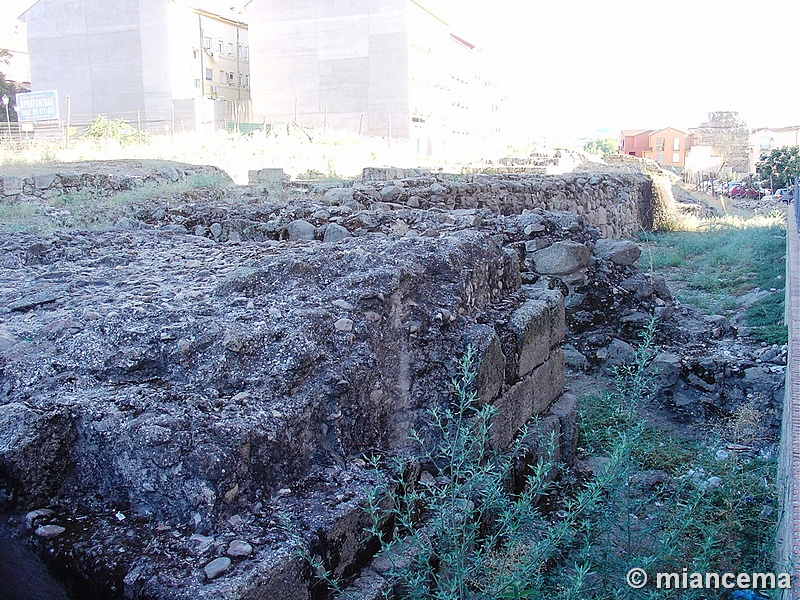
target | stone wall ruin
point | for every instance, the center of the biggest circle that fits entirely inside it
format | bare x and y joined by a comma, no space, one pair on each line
175,387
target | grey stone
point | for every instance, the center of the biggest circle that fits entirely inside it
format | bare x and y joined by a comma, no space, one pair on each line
216,230
620,252
514,408
548,382
49,531
344,325
574,359
438,189
35,299
239,548
11,186
562,258
391,193
530,324
43,182
217,567
335,232
555,305
267,177
565,408
665,369
490,362
300,231
617,353
339,195
7,338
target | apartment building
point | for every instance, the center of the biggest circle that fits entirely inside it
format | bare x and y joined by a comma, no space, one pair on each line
391,68
766,139
668,147
162,63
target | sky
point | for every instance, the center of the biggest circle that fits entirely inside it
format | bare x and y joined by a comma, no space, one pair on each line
626,64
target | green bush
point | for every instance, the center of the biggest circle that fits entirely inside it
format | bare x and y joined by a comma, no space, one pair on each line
464,533
102,127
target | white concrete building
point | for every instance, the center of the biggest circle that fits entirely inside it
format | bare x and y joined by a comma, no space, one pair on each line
389,68
162,63
766,139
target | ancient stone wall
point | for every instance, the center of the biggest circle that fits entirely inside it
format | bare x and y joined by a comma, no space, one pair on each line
180,385
167,392
619,204
74,178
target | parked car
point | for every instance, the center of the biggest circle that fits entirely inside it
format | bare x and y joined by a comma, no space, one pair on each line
783,194
741,191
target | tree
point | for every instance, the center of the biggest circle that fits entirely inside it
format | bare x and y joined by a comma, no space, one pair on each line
601,146
729,139
779,167
8,88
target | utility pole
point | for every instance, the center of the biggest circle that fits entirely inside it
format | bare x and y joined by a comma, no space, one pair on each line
8,119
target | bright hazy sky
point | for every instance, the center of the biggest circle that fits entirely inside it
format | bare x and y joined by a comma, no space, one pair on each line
614,64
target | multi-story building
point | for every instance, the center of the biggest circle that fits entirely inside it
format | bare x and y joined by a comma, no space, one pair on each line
764,140
162,63
668,147
634,142
379,67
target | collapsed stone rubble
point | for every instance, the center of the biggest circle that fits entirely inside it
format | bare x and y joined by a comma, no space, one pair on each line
173,388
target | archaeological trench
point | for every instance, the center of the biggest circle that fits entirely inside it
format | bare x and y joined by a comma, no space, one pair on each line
175,386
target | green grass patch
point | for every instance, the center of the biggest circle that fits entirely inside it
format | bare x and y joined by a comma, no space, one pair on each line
722,259
86,210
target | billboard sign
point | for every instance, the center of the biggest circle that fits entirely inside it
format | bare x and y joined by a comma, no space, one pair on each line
38,106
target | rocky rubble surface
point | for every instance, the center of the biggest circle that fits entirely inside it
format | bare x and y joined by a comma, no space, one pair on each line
173,388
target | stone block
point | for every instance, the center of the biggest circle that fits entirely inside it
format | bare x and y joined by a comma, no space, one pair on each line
490,362
514,408
43,182
11,186
335,232
339,196
299,231
620,252
542,441
555,306
530,324
561,258
548,382
268,177
34,452
566,410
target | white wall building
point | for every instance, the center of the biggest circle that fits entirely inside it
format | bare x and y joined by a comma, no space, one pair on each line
378,67
160,62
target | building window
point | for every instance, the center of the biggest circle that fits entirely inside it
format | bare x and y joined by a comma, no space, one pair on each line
230,49
194,54
207,43
197,84
247,52
222,77
676,158
209,74
660,145
660,157
247,81
219,46
676,144
765,143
